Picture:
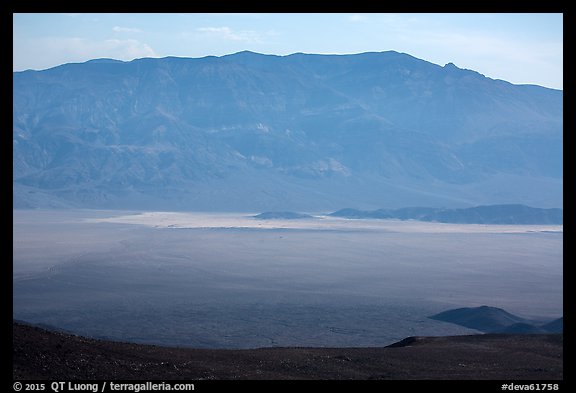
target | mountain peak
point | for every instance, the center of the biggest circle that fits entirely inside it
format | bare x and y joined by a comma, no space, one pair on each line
247,53
103,60
452,68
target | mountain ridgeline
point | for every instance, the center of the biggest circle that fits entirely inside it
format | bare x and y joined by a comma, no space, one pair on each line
248,132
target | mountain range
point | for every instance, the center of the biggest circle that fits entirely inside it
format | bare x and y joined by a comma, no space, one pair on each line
253,132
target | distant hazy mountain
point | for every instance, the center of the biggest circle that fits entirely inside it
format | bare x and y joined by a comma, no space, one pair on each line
484,318
300,132
281,216
494,214
495,320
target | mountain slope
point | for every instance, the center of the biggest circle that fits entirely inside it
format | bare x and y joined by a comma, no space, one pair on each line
301,132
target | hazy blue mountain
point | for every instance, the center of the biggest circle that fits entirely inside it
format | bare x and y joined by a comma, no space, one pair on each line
498,214
300,132
556,326
492,214
483,318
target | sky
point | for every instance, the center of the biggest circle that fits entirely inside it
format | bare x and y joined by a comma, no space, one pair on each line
522,48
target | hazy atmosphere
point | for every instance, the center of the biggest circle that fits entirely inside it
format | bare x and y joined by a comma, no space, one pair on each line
235,181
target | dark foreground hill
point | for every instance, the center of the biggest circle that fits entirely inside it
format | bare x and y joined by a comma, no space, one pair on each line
42,354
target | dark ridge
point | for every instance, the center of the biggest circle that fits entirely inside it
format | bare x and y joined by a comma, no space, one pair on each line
404,343
45,355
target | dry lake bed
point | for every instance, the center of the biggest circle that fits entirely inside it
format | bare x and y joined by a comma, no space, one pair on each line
227,280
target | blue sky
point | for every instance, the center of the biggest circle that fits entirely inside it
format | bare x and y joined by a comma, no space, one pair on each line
519,48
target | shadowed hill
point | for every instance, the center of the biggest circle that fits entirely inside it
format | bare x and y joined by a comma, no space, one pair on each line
495,320
482,318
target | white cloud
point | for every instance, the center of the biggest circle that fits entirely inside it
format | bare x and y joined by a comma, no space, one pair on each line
126,49
226,33
120,29
52,51
357,18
